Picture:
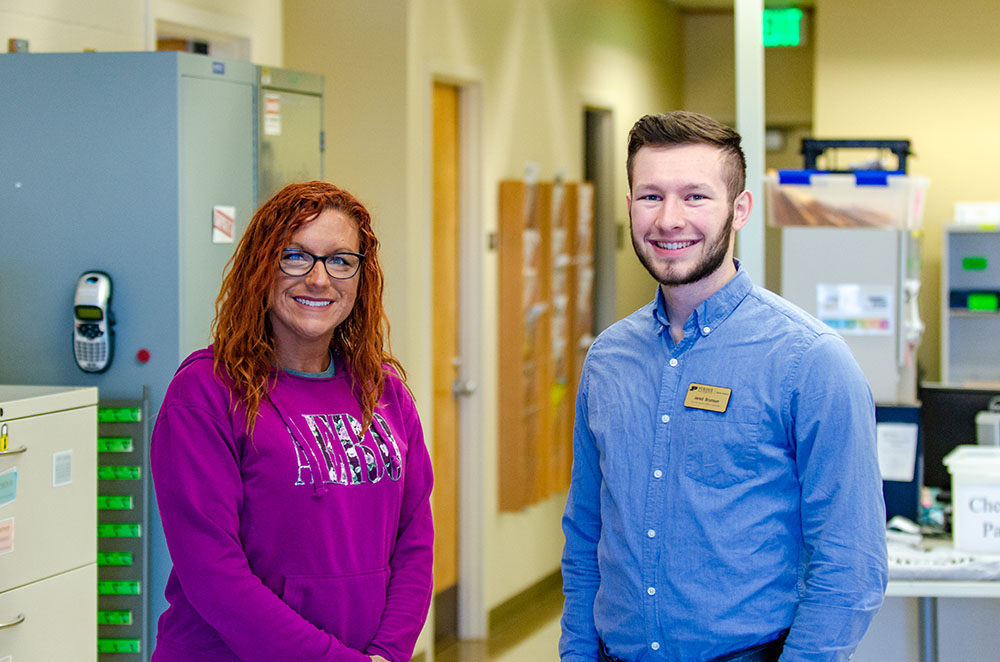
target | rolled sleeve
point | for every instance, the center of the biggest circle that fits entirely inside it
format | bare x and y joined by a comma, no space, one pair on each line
842,509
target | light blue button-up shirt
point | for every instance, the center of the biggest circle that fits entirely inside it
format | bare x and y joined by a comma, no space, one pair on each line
691,533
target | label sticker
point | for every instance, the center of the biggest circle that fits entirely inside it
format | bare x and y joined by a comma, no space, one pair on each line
8,486
711,398
62,468
897,450
223,224
6,535
857,310
976,525
272,114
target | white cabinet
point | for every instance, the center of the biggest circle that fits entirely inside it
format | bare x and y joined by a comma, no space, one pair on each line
48,523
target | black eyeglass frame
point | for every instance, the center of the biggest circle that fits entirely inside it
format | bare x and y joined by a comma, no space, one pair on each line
323,259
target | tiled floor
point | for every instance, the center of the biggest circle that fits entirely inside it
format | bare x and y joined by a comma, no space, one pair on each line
530,634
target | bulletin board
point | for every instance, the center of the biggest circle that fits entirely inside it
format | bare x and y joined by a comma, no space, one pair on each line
546,262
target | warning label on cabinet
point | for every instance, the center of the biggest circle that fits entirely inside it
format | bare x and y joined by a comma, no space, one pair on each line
272,114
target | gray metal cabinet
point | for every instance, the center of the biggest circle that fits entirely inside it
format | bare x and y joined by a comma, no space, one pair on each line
120,162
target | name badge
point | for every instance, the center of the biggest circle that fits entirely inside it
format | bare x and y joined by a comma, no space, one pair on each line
711,398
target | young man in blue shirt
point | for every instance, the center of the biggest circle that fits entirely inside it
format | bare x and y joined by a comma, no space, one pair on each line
726,502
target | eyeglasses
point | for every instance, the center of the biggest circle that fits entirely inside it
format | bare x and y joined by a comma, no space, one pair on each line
295,262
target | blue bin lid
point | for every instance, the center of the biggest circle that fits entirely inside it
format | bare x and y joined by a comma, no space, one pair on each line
861,177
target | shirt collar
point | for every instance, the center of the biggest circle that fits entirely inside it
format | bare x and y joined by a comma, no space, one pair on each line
711,312
331,371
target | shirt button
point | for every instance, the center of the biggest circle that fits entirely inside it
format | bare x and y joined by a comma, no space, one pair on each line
673,363
655,645
665,418
651,533
706,330
651,590
657,474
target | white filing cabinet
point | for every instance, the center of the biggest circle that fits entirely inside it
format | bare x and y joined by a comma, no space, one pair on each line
48,523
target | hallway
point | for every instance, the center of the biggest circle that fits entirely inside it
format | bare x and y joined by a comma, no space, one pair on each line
524,630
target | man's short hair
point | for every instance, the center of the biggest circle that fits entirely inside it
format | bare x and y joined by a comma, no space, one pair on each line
682,127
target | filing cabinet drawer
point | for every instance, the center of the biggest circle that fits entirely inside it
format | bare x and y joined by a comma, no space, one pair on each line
60,619
48,510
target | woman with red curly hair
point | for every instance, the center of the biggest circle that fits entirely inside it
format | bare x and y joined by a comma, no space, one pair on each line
288,458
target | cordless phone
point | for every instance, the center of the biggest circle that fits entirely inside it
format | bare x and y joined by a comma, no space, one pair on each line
93,336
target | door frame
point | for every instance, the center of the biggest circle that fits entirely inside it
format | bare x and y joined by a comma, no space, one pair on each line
473,619
472,613
607,232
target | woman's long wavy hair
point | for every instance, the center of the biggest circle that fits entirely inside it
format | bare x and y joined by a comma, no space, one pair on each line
243,341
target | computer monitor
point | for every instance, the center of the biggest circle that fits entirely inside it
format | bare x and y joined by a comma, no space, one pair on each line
948,418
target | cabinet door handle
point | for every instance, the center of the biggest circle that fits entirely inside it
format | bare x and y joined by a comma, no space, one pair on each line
16,621
14,452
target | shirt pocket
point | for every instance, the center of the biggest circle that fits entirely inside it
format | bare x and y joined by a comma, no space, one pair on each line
347,606
721,449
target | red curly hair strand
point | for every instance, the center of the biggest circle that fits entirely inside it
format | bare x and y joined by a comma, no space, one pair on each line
243,343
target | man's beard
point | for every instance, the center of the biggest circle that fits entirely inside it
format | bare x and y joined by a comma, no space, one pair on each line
709,264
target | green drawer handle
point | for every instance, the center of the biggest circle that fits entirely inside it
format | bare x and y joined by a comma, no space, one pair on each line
118,414
118,588
114,502
119,559
114,617
114,445
105,472
117,645
118,531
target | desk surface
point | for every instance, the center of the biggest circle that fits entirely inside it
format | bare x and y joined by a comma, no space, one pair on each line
942,588
936,588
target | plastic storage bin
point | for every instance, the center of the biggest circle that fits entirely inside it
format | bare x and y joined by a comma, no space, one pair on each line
865,198
975,497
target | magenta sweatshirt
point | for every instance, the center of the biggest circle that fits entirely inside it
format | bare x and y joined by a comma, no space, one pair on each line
310,541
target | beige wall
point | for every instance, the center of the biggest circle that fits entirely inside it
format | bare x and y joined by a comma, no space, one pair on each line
252,27
710,81
67,25
710,78
924,70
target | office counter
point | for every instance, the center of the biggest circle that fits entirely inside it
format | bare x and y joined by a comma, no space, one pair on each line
935,620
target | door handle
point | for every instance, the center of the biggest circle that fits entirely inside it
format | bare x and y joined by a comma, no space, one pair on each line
463,389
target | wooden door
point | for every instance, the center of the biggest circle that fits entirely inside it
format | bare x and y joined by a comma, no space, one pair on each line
445,348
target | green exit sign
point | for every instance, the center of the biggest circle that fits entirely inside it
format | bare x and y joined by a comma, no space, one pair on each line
783,27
